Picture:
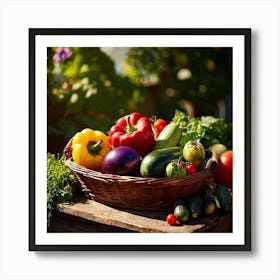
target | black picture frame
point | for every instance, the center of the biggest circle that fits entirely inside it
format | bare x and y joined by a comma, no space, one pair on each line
34,33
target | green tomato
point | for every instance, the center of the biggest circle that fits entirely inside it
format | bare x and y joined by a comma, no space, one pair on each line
182,213
174,170
194,152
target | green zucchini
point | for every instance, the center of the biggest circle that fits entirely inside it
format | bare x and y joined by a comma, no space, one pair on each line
194,204
224,198
155,162
169,137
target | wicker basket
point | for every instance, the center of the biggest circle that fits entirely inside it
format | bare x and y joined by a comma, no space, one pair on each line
137,193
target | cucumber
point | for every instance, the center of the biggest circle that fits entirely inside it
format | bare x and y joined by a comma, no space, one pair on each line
169,137
155,162
224,198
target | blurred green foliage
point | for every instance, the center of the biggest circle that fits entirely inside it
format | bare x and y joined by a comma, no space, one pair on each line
85,90
201,76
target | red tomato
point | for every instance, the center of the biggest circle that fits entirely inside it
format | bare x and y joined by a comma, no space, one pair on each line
190,169
183,164
171,219
158,126
223,171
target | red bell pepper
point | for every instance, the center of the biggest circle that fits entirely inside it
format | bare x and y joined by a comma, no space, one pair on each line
133,130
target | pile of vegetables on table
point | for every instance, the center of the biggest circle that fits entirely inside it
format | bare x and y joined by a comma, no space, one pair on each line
137,145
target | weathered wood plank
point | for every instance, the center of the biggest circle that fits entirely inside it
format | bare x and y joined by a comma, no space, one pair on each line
65,223
138,221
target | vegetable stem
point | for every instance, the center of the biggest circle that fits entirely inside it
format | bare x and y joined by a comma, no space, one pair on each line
130,128
94,147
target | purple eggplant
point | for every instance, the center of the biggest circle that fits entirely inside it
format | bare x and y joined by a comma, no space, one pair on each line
122,160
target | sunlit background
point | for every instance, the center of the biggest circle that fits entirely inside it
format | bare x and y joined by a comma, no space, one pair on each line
93,87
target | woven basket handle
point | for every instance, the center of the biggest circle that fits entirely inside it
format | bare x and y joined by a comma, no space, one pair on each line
212,162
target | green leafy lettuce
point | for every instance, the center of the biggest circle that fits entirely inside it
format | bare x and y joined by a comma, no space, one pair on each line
215,130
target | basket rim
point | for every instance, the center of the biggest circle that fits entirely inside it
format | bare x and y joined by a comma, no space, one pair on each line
105,176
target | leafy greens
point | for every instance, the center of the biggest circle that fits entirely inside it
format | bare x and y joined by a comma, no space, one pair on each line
215,130
60,181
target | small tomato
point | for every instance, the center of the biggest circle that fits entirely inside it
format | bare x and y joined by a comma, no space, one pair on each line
183,164
171,219
175,170
158,126
190,169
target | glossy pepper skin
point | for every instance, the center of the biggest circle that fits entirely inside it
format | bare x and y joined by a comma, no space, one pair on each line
89,147
133,130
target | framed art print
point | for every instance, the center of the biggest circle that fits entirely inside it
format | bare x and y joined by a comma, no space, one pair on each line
132,137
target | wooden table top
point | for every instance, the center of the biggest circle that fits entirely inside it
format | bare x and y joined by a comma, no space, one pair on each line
142,221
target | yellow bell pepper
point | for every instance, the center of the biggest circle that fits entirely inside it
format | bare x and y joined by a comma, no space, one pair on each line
89,147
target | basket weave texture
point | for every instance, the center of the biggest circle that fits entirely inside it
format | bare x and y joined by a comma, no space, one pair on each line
138,193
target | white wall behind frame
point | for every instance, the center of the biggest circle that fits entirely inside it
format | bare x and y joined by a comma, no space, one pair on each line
16,261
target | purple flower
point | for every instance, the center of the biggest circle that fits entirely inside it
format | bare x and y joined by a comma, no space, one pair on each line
61,54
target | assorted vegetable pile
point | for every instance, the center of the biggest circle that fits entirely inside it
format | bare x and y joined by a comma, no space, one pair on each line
148,147
140,146
213,199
